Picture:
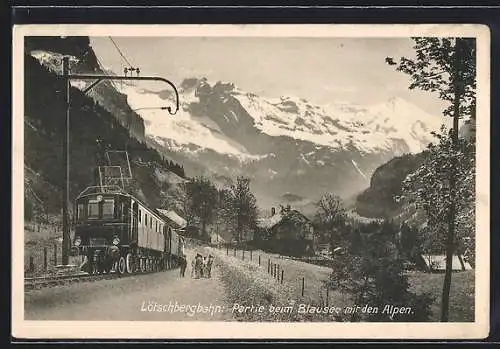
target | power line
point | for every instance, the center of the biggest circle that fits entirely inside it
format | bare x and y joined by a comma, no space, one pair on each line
120,51
105,73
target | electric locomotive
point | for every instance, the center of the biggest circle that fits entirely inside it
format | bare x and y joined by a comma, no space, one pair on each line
115,231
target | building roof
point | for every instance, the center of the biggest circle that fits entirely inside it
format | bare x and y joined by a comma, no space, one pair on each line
277,218
173,217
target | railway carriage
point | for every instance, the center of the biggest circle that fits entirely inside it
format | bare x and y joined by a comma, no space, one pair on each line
116,231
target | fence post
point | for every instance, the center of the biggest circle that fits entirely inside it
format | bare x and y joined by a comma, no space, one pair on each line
278,272
250,254
268,265
45,258
227,250
235,252
55,254
259,259
327,296
282,274
243,255
303,286
32,265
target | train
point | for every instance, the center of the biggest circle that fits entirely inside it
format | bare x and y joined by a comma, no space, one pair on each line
117,232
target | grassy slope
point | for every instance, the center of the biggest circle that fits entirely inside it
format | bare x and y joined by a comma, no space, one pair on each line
270,291
461,296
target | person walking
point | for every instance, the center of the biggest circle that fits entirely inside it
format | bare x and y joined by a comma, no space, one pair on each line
204,268
198,266
193,262
183,265
209,266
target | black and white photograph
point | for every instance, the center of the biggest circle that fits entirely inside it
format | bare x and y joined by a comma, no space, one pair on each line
243,176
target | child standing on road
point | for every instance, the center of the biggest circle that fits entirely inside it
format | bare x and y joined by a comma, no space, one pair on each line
209,266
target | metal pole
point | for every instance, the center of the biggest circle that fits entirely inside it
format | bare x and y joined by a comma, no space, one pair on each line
45,258
32,265
303,286
65,242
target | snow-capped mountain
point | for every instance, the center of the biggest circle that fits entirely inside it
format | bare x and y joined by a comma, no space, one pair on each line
287,146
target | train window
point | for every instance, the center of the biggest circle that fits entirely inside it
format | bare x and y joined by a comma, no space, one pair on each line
108,208
146,219
93,209
122,210
151,222
140,216
80,214
156,226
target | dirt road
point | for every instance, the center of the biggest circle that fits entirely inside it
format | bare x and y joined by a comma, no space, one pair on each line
153,297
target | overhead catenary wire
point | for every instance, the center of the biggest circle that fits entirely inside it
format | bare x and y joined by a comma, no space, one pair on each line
120,52
101,66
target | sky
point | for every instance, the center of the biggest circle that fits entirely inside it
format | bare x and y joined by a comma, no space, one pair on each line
321,70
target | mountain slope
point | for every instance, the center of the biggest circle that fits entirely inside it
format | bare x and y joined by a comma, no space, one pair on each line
378,201
93,131
285,145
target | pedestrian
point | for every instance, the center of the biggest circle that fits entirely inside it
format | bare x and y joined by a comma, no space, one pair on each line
209,265
193,266
183,265
198,266
204,268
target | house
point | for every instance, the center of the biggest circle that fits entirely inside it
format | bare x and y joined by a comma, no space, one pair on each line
287,232
437,263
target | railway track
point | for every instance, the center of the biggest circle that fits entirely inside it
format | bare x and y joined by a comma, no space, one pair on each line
35,283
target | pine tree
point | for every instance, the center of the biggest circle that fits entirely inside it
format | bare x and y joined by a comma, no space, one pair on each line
446,66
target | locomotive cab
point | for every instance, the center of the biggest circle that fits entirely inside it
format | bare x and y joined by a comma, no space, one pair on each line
101,228
117,232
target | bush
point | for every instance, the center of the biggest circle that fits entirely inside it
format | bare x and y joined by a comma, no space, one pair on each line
373,273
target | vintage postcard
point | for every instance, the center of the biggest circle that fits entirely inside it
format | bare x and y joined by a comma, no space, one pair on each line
251,181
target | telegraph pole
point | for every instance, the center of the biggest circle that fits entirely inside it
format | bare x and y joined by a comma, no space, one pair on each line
66,234
66,244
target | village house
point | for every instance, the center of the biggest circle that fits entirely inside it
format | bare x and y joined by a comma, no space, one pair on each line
287,232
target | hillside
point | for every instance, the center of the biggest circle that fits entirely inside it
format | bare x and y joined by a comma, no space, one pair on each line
292,149
93,130
378,200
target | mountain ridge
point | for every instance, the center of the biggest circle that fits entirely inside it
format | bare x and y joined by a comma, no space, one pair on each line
284,145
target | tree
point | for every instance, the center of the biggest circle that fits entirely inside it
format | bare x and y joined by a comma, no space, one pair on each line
429,188
371,270
446,66
330,216
242,208
202,201
224,217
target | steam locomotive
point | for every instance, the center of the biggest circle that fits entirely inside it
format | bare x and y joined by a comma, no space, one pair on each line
115,231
